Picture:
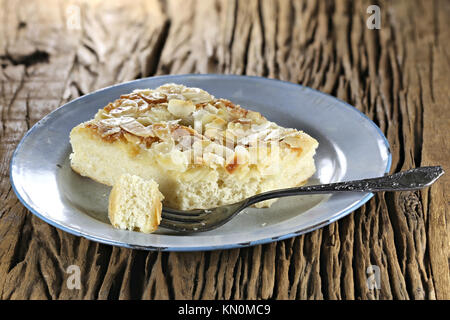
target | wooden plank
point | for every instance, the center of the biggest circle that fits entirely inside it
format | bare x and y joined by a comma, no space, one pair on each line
397,75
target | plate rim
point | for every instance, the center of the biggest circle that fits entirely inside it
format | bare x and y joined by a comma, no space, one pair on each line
304,230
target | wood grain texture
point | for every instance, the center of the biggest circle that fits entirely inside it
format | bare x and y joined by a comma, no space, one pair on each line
53,51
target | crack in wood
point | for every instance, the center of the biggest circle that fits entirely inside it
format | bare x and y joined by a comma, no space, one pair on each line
37,56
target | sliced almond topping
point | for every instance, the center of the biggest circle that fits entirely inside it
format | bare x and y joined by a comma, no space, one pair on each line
273,134
253,138
110,131
145,121
154,97
132,138
170,88
182,133
242,121
180,108
242,155
210,108
124,110
196,95
217,122
293,141
162,131
165,146
214,134
190,120
114,122
255,116
261,127
138,129
212,158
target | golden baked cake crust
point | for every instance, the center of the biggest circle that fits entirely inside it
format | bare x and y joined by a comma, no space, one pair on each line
202,151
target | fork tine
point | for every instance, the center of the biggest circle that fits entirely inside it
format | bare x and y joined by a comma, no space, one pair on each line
190,213
183,226
200,220
182,218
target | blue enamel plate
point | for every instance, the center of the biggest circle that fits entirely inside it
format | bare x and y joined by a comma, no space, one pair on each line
351,147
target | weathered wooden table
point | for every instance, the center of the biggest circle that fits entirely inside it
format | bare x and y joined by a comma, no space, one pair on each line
54,51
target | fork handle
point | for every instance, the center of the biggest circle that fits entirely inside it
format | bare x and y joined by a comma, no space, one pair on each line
402,181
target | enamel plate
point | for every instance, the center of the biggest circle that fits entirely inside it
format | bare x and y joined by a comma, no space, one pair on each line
350,147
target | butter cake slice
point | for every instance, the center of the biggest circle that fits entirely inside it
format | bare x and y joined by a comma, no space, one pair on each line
203,152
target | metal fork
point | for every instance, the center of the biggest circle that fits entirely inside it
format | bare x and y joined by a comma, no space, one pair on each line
201,220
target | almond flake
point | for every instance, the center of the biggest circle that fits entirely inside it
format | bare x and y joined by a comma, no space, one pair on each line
138,129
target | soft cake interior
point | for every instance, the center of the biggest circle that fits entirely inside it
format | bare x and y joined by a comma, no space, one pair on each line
135,204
